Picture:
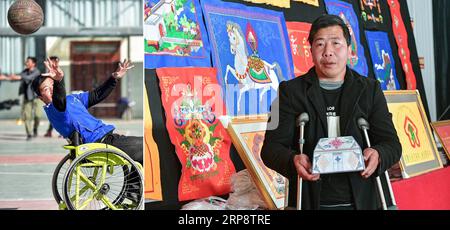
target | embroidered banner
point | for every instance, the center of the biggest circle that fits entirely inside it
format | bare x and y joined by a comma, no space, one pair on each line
279,3
371,13
401,37
251,51
174,34
152,183
300,47
192,103
382,59
345,10
310,2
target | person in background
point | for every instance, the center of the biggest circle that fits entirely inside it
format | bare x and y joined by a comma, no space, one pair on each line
31,105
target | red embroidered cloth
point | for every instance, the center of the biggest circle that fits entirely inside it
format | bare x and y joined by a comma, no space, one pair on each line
193,104
401,37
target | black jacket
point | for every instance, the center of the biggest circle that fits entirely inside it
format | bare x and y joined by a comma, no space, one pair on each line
361,97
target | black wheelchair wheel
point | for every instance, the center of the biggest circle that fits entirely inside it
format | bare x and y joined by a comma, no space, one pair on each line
101,183
58,177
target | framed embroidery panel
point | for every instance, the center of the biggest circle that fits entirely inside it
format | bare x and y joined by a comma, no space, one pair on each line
247,135
152,182
442,129
419,152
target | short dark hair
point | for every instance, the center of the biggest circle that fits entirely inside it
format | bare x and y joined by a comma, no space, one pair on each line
33,59
54,58
37,81
327,20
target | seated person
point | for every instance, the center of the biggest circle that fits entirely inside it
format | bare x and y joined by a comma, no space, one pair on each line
69,113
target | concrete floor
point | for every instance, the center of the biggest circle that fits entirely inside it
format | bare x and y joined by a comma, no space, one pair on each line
26,167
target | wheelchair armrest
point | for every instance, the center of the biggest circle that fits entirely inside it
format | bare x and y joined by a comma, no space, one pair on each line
69,147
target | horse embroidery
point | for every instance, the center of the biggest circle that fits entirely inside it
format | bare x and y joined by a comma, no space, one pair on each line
251,71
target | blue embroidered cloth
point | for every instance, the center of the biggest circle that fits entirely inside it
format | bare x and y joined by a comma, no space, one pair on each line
251,51
382,59
175,35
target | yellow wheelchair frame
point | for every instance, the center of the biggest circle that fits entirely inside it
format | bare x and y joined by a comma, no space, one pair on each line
103,159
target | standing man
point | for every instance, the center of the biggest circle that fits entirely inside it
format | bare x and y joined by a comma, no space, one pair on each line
31,107
334,97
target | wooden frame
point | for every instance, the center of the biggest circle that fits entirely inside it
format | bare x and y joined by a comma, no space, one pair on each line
442,129
420,154
244,130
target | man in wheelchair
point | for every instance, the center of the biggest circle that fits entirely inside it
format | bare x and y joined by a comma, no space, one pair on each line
69,114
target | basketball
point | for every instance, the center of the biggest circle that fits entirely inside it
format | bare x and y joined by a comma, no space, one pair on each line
25,16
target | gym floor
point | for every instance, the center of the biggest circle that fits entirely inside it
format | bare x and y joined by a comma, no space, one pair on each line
26,167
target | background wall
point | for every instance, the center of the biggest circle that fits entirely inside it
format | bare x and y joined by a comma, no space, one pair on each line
422,14
67,21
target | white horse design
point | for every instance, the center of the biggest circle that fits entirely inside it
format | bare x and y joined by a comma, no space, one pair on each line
242,68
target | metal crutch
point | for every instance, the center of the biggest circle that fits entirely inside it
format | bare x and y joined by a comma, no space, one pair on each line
364,125
301,121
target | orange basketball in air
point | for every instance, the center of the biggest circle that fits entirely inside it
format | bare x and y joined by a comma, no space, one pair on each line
25,16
